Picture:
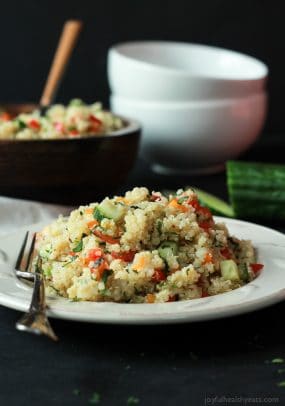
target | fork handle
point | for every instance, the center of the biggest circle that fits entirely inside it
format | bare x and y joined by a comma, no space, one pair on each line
35,320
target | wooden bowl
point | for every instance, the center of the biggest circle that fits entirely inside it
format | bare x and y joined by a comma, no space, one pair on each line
68,171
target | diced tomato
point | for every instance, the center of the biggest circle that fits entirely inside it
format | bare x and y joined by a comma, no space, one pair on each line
72,254
99,267
34,124
73,132
194,203
5,116
158,275
154,197
95,119
172,298
94,254
59,127
95,123
204,211
225,252
256,267
208,258
127,256
106,238
206,225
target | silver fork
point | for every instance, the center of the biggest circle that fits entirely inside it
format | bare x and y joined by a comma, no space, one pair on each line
35,320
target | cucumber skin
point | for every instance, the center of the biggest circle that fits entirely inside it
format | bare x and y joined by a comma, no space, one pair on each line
257,190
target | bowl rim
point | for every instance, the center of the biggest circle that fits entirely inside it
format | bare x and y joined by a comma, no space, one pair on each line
117,49
191,104
133,126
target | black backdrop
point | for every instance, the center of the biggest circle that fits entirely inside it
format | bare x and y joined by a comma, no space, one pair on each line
29,31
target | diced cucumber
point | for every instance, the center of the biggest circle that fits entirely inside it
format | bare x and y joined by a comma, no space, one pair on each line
257,189
167,250
229,270
217,206
243,272
109,210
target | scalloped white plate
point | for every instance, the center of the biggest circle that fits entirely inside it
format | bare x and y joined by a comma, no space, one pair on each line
266,289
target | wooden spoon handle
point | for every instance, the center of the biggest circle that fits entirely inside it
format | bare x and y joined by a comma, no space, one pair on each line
65,47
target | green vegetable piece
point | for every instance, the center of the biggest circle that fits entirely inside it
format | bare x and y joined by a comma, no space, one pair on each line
281,371
110,210
256,189
277,361
229,270
217,205
95,398
281,384
98,215
243,272
78,247
76,102
166,251
132,400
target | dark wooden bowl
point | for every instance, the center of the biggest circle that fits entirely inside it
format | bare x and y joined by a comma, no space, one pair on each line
68,171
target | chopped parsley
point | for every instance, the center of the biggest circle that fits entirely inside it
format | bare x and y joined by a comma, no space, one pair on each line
95,398
132,400
106,274
21,123
78,247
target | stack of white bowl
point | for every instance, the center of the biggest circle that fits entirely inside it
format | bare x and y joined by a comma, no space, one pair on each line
199,106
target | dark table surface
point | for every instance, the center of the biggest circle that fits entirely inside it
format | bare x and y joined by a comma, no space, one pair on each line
227,361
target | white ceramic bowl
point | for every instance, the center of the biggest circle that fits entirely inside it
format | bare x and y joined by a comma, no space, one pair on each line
170,71
196,136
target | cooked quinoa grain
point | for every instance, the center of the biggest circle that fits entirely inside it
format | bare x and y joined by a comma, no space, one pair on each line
143,247
75,120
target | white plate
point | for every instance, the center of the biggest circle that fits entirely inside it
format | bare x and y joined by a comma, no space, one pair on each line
266,289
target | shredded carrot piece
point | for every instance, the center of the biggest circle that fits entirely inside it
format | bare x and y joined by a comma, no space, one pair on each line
208,259
150,298
92,223
174,203
89,210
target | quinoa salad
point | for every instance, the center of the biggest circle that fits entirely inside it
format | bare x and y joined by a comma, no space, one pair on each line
75,120
143,248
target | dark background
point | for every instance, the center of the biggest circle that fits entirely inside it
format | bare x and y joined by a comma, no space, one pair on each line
29,31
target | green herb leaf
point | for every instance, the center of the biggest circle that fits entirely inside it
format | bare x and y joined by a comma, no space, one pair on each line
183,199
97,214
132,400
21,124
95,398
78,247
106,274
